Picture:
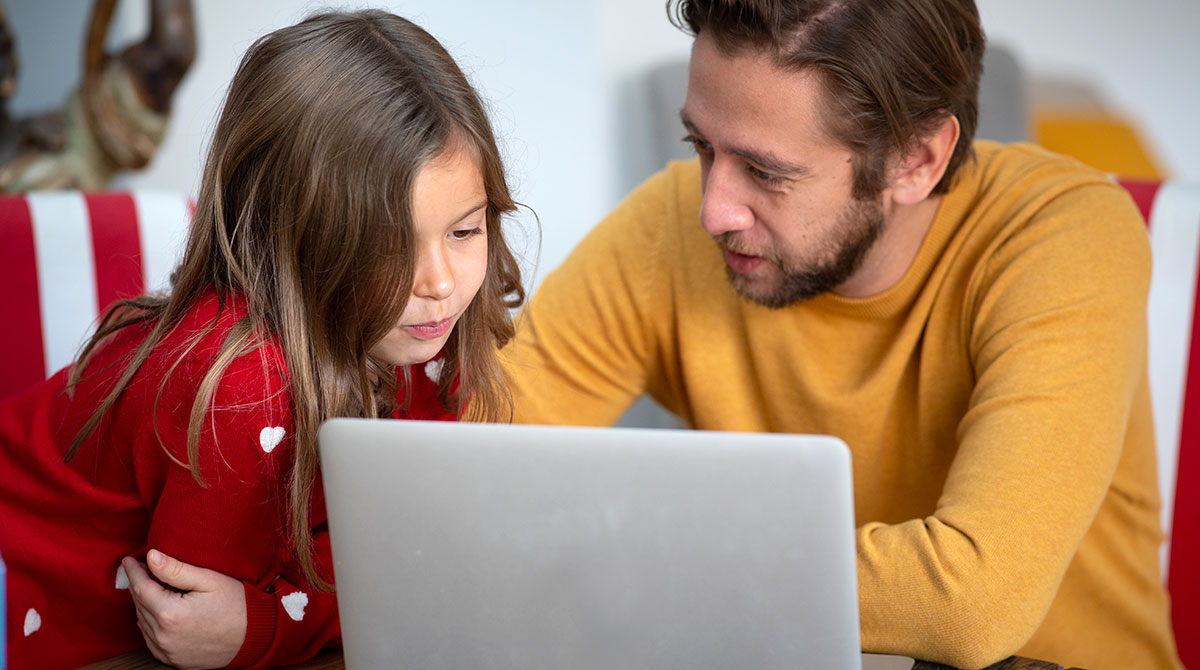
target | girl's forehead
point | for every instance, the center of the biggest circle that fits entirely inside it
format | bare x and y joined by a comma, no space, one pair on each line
448,189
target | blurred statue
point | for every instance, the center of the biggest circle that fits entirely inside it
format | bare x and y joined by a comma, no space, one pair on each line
117,117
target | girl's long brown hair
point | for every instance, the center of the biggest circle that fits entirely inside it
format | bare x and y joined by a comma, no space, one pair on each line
304,210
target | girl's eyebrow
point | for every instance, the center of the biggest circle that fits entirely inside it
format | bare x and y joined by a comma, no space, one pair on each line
469,212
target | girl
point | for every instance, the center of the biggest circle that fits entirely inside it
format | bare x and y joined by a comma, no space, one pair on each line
347,231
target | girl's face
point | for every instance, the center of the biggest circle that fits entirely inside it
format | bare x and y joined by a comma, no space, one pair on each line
450,219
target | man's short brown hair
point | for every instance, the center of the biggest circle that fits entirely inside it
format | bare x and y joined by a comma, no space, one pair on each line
892,69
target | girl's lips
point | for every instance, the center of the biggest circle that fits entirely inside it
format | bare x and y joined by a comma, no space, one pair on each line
741,263
431,330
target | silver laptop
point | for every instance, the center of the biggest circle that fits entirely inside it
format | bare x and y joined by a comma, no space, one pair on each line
463,546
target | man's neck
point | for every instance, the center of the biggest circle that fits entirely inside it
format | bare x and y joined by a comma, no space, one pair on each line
893,253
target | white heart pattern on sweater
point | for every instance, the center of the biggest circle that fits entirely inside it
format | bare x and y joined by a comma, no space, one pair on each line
295,603
433,369
269,438
33,621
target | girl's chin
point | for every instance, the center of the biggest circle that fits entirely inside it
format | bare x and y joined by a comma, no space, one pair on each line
415,354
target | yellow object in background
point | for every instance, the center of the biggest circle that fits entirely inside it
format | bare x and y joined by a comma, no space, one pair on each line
1102,140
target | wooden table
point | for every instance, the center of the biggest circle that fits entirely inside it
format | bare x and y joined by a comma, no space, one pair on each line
332,660
1010,663
142,660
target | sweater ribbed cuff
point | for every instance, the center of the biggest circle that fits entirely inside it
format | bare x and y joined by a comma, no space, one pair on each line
260,627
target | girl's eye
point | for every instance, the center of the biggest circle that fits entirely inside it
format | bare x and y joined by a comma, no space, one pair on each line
466,233
698,144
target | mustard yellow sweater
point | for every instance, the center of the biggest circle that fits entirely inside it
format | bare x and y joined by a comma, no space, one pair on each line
995,401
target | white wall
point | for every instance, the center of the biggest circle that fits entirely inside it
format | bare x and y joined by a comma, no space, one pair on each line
1142,57
535,62
566,80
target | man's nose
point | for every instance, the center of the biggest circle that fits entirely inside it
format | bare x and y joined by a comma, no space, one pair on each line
724,207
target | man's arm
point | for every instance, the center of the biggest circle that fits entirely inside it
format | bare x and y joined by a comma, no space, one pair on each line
1058,345
586,345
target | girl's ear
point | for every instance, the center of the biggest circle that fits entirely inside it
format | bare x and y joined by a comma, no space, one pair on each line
923,165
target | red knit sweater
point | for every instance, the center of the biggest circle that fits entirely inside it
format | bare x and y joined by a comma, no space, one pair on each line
64,527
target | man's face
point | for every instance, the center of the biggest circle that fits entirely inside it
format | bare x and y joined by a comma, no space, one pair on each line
776,185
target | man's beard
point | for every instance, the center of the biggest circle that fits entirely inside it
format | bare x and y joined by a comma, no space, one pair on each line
859,226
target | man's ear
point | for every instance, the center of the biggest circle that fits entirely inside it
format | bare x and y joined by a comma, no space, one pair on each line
922,166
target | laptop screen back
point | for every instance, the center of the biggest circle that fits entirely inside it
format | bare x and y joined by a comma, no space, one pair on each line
530,547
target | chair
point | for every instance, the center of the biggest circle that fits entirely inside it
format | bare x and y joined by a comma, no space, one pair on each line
1172,212
65,256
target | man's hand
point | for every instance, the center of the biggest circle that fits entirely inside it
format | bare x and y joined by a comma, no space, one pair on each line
199,624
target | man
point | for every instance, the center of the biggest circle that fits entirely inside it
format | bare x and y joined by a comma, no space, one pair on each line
971,323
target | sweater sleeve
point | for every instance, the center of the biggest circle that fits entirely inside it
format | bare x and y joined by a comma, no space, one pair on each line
290,621
235,521
1057,338
584,348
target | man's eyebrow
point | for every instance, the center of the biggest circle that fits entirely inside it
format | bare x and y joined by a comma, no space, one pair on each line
769,163
764,161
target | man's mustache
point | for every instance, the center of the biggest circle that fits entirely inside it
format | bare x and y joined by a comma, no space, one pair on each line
732,242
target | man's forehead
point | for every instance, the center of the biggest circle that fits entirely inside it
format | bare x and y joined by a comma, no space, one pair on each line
745,98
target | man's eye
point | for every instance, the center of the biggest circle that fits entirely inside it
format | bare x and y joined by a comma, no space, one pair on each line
698,144
760,175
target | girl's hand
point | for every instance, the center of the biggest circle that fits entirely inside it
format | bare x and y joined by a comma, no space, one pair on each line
200,624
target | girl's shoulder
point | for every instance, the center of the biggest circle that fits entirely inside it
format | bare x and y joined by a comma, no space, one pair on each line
205,336
164,388
178,365
244,390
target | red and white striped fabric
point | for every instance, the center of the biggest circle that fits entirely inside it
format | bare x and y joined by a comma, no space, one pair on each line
65,256
1172,211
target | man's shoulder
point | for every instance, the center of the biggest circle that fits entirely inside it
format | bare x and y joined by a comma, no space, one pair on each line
675,189
1009,187
1027,170
1021,201
684,172
663,209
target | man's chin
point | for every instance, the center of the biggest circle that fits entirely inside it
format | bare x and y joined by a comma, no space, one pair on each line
767,292
756,290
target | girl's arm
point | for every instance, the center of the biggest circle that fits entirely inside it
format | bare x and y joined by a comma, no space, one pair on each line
233,520
206,625
292,621
274,617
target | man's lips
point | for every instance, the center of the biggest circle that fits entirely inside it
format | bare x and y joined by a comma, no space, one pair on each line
741,263
430,330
